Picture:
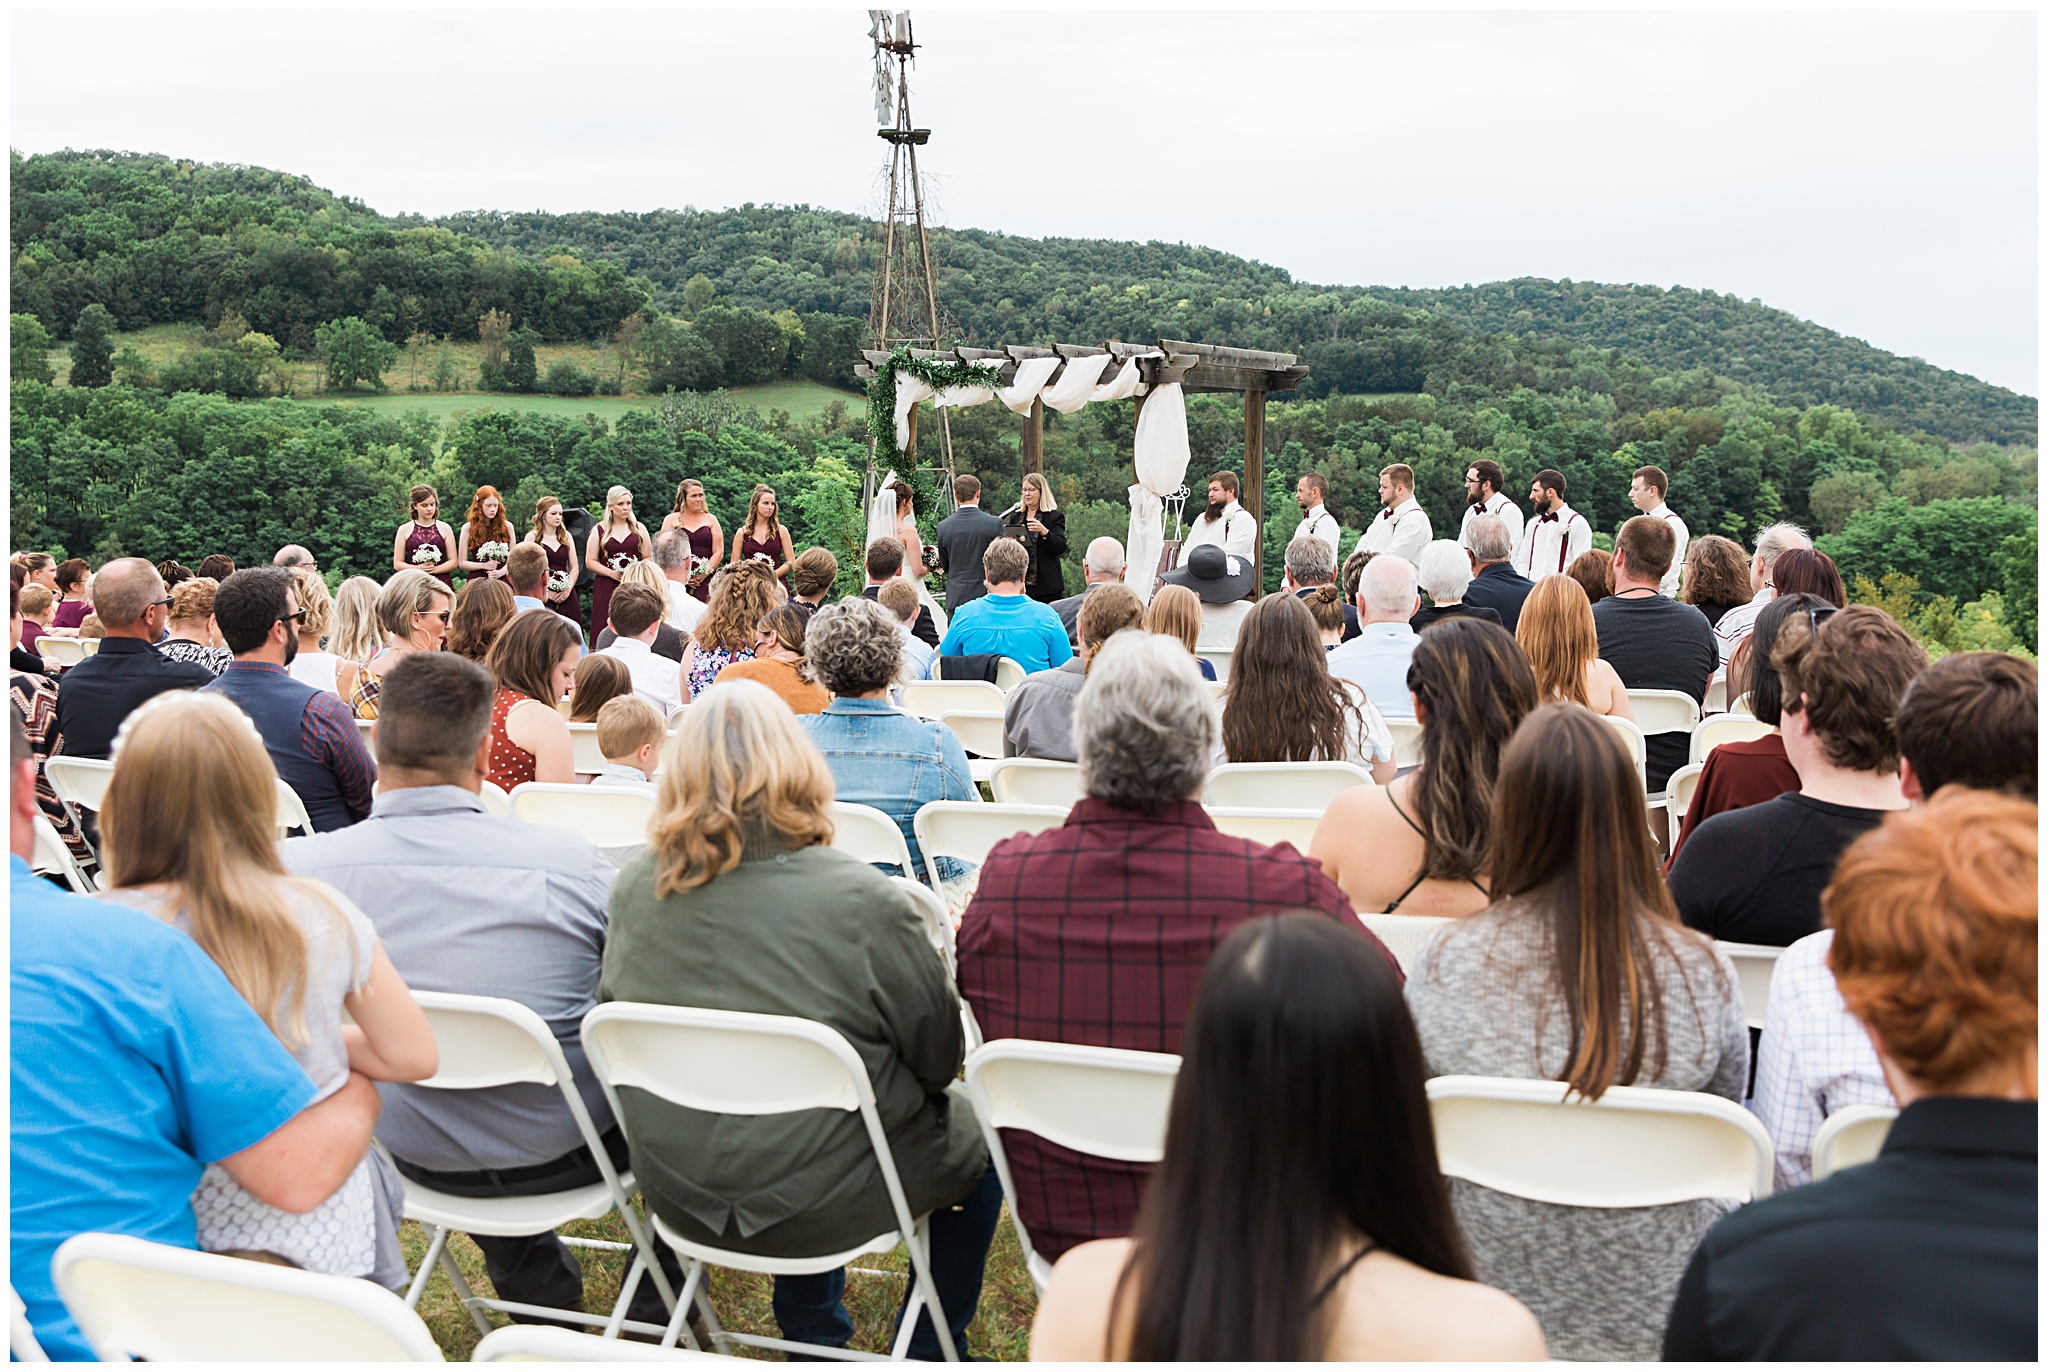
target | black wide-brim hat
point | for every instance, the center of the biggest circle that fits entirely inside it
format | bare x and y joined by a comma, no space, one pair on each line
1216,576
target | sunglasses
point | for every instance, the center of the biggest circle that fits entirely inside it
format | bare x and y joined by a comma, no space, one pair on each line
295,614
1815,614
441,615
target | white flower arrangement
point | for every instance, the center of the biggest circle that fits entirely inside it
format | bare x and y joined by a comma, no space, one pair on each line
618,562
559,582
427,555
494,552
764,559
699,566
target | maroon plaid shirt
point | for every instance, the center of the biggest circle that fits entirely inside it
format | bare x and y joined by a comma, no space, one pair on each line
1097,932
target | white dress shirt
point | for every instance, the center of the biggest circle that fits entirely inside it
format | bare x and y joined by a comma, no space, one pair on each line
1402,531
1377,662
1550,543
1236,533
1738,623
1814,1058
1669,585
656,679
684,609
1323,525
1496,504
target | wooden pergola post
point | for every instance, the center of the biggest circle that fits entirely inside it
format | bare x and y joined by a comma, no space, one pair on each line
1254,500
1032,450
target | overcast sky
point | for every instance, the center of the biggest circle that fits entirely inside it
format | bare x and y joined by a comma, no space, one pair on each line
1874,172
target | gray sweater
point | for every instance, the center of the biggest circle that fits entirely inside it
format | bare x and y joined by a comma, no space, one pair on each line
1485,1004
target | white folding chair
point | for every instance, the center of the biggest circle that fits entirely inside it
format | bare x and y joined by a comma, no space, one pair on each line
980,732
965,830
539,1343
726,1062
137,1299
364,726
80,782
1034,781
56,651
1632,737
495,799
291,811
1755,965
1850,1137
675,716
1283,785
1679,789
1404,935
586,758
486,1042
938,921
51,855
1407,740
1219,658
1712,732
931,699
866,833
1105,1102
1010,674
1219,690
1266,826
1635,1146
1664,712
612,817
21,1335
1740,706
1715,701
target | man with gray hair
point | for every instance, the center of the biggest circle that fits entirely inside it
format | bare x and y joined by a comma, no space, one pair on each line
1771,542
1443,574
672,556
1103,562
1377,660
1311,562
1495,582
1096,932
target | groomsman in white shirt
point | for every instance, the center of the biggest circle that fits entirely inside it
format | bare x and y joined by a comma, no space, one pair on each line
1556,536
1646,492
1402,527
1225,523
1483,482
1311,493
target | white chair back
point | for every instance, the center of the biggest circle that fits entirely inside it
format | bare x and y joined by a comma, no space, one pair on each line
980,731
540,1343
1664,712
1105,1102
1010,674
938,921
1267,826
1283,785
1755,965
291,811
1740,705
863,832
80,782
133,1298
1407,740
52,856
1632,738
1404,935
21,1335
1635,1146
586,757
1851,1137
1219,658
488,1041
1035,781
1712,732
57,651
1679,789
967,829
364,726
1218,690
931,699
1715,701
612,817
675,716
495,799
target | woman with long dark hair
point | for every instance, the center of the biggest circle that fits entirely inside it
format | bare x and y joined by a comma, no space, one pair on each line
483,607
762,537
1808,571
74,593
1579,972
1298,1212
1283,705
424,542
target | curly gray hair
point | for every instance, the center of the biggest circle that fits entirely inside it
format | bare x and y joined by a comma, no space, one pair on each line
1145,724
853,646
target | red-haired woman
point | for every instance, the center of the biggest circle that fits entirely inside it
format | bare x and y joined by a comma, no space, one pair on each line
486,538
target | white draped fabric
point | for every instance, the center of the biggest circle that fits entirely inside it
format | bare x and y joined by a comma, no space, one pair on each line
968,395
1032,374
1076,386
1122,386
909,390
1160,453
882,513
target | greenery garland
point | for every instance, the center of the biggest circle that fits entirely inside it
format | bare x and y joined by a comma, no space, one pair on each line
938,373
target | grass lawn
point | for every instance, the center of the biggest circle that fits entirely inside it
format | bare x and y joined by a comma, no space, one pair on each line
802,399
1002,1329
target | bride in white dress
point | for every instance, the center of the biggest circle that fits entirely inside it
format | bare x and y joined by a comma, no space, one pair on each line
892,516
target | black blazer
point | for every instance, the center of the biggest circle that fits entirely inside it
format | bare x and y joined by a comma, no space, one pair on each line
921,628
1501,589
963,537
1046,550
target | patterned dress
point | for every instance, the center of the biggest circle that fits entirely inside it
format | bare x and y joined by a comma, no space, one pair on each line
428,536
510,764
36,698
601,587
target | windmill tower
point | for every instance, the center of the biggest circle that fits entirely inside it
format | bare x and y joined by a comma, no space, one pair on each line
905,311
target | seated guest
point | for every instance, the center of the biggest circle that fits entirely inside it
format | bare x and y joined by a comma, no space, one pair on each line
1176,613
1638,1000
1418,847
742,594
1556,631
1353,569
878,754
630,734
1096,932
412,617
482,607
1361,1255
899,598
810,579
1443,572
191,635
314,664
1970,720
526,576
1309,569
1754,770
1284,706
1377,660
1931,1251
1223,582
669,641
1038,718
1653,642
1006,622
38,607
1772,542
778,661
1716,576
599,678
1755,875
635,620
1103,562
295,555
74,591
35,697
1327,607
534,661
739,859
116,1111
96,695
173,572
1495,582
311,736
443,878
885,564
672,560
91,627
217,566
1808,571
1594,571
304,958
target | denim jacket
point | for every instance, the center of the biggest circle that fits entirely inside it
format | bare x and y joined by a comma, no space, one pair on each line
894,761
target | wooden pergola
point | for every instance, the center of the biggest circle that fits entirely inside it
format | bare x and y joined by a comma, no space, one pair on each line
1200,368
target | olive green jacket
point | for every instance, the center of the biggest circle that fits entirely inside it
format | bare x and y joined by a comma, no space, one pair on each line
816,934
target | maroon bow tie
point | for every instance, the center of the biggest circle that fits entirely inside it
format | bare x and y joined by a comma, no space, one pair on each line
1547,518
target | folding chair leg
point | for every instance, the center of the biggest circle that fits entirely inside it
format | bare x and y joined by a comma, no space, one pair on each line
426,1272
679,1321
467,1296
924,1291
632,1283
711,1324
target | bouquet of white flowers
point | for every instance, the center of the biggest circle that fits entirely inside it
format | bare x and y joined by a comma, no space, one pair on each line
559,582
618,562
427,555
699,567
494,552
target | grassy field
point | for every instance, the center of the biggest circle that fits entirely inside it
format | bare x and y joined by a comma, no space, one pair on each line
1002,1329
802,399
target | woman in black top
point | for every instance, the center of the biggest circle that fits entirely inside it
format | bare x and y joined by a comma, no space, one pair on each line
1045,538
1716,576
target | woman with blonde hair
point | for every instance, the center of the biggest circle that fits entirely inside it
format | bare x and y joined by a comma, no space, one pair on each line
1558,634
744,595
315,664
193,636
424,542
412,617
189,836
482,609
1176,612
700,528
551,536
357,636
1045,538
762,538
739,860
534,660
614,544
484,526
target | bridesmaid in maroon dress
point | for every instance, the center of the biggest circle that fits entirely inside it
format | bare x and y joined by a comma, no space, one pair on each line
615,543
553,538
763,537
707,539
425,531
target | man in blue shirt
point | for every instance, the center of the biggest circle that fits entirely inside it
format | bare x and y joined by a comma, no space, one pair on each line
134,1065
1377,660
1006,622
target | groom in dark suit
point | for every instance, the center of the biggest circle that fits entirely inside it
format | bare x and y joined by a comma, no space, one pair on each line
964,536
